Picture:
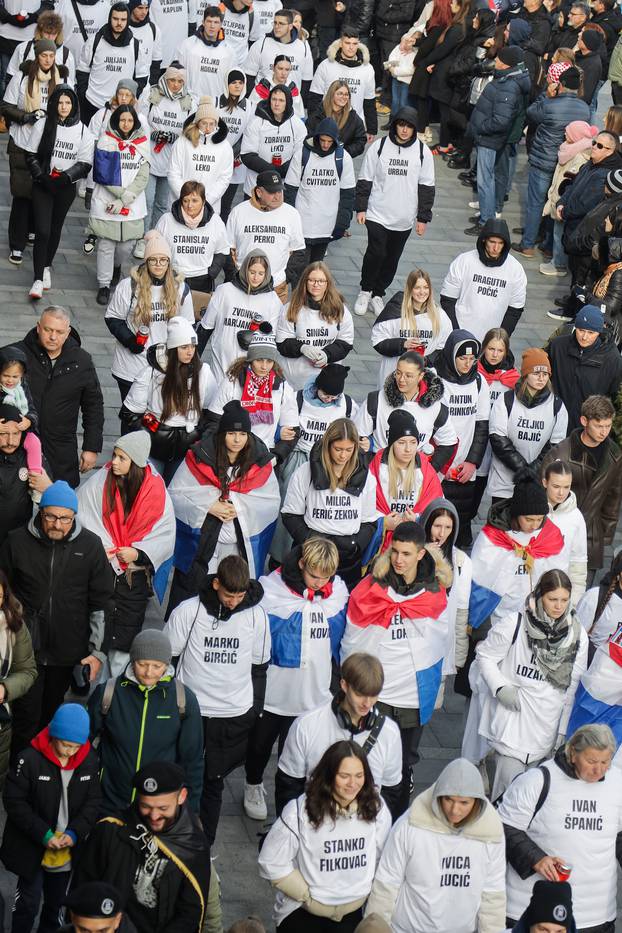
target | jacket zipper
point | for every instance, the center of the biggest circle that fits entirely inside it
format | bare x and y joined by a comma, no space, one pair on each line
141,737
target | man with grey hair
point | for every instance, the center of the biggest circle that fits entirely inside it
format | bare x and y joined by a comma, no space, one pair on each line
63,381
568,37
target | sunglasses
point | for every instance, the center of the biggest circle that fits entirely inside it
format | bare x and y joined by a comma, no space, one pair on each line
601,146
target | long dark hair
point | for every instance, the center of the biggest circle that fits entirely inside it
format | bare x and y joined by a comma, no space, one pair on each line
10,605
552,580
447,547
48,137
116,115
177,396
128,486
320,802
608,586
239,469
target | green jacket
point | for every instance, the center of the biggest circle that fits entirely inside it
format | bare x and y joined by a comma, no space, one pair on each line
142,725
20,679
615,65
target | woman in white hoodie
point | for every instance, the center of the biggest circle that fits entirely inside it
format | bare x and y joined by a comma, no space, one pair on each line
564,513
443,867
203,153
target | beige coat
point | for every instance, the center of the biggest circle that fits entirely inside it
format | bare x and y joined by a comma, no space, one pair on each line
561,171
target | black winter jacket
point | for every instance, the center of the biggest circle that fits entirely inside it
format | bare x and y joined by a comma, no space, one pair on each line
610,257
592,227
360,15
585,192
32,798
611,22
352,133
393,18
60,392
441,58
578,373
566,37
500,104
15,501
64,587
540,30
592,67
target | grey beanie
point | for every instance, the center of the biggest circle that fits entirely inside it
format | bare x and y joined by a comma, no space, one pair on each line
137,445
262,346
151,645
129,84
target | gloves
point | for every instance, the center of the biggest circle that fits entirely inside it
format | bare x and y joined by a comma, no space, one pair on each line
115,207
128,197
136,347
310,352
508,697
30,118
321,359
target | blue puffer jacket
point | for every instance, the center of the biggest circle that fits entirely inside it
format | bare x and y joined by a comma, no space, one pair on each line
551,116
586,191
498,107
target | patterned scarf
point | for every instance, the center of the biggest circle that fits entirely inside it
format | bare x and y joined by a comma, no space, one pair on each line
554,642
257,397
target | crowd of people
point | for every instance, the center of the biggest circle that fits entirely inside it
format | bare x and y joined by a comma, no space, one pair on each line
316,559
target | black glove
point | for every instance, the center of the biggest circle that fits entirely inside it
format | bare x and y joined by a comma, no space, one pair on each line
137,348
63,180
30,118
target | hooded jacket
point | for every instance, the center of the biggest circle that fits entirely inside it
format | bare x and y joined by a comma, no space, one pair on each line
32,798
357,72
586,191
551,116
468,401
579,373
62,146
434,875
352,133
14,354
607,290
61,392
480,292
198,251
267,139
502,101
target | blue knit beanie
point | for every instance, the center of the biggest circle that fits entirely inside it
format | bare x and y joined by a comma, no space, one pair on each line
70,723
61,495
590,318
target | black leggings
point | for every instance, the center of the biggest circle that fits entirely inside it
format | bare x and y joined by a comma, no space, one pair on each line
226,202
383,253
301,921
267,729
49,212
423,113
20,223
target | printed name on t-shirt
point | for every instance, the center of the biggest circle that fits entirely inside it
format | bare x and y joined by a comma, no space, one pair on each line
237,314
530,430
455,871
220,649
488,285
334,509
461,406
344,862
584,823
397,167
530,671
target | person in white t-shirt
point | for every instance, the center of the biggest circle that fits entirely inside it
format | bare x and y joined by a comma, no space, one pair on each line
206,57
203,153
348,60
222,640
281,70
321,853
49,26
283,40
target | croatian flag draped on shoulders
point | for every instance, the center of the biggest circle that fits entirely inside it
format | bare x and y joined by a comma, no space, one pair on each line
255,496
149,526
408,633
599,695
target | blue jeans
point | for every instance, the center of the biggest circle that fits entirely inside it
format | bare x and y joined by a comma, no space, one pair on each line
594,101
560,260
399,95
158,196
538,185
486,189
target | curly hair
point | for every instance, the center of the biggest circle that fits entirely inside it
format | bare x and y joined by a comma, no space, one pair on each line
320,802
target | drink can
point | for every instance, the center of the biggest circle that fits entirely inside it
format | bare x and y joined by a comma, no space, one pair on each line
142,335
564,870
277,160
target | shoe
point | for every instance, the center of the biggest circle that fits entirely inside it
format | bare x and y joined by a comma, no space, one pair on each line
475,219
255,802
47,279
88,197
559,316
382,108
458,161
474,205
548,268
362,303
139,249
103,295
427,136
89,244
116,275
36,289
561,302
377,305
15,256
545,252
475,230
527,251
469,184
467,176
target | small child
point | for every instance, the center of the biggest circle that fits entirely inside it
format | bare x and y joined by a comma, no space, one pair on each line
401,67
14,391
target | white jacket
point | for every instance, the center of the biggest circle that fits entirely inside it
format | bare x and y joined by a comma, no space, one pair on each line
571,523
210,162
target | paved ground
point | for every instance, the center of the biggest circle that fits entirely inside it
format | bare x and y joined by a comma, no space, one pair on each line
74,287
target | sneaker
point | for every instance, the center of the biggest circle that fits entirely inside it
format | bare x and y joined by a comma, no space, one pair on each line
474,205
475,230
362,303
475,219
89,244
467,176
377,305
548,268
103,295
139,249
255,801
527,251
382,108
47,279
559,315
15,256
36,289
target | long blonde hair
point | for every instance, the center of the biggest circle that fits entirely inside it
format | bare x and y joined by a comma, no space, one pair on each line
331,306
396,473
408,315
170,294
340,118
340,430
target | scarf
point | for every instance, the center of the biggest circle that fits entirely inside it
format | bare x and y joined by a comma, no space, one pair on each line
165,90
507,377
309,393
32,101
191,222
549,541
568,151
123,144
147,509
600,288
375,605
6,648
554,643
257,397
15,396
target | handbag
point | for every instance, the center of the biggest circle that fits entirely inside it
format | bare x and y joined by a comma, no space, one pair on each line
477,87
107,168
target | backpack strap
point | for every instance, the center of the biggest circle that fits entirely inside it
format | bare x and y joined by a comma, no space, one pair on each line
517,629
180,694
372,408
544,793
508,401
420,152
381,146
372,738
339,160
108,695
557,404
80,22
96,42
299,400
348,406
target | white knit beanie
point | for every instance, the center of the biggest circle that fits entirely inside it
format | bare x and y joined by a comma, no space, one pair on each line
179,333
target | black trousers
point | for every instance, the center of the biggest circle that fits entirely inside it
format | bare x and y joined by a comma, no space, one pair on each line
49,211
20,223
124,387
601,928
32,712
383,253
301,921
411,731
267,729
53,886
87,110
226,202
226,744
316,250
462,495
616,93
423,113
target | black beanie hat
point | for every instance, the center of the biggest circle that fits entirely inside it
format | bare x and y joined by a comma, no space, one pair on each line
234,418
401,424
511,55
10,413
332,379
551,902
570,78
529,498
591,39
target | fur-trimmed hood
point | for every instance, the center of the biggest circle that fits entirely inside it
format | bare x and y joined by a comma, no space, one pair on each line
362,55
433,570
431,390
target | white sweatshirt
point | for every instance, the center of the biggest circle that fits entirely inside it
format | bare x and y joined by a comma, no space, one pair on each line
93,16
278,233
484,293
145,395
129,366
167,116
319,189
284,408
329,512
208,162
108,64
316,730
229,311
360,80
173,17
194,250
260,59
16,94
504,658
71,144
402,64
467,404
337,861
216,656
389,326
314,420
529,429
395,176
578,822
236,122
432,422
313,331
608,621
149,35
207,66
269,140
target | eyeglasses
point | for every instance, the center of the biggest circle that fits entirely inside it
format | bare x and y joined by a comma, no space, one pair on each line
601,146
57,519
155,261
317,281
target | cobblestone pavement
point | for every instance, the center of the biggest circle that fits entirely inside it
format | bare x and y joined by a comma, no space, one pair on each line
74,287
